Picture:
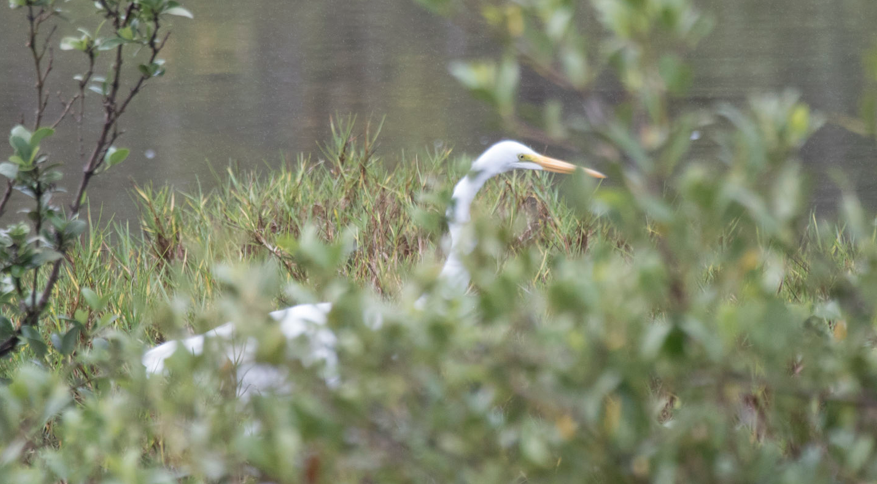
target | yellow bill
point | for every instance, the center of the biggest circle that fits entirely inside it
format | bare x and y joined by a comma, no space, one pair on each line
558,166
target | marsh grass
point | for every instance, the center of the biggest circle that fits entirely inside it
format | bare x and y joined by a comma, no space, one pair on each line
391,209
394,215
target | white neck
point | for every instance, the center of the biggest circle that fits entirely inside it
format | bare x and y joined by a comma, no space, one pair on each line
454,273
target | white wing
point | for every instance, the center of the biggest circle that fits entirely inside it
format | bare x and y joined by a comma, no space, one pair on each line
308,320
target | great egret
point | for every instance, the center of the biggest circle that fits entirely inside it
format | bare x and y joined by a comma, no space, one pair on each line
310,319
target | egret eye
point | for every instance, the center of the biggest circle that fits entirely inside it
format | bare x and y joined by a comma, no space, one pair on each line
521,157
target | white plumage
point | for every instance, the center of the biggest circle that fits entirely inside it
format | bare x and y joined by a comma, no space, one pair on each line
303,320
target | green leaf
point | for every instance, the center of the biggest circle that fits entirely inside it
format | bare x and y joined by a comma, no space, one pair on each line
179,12
677,76
7,329
20,132
126,33
45,256
68,344
100,344
56,340
39,135
111,43
75,228
115,156
22,148
496,84
155,69
51,176
95,302
73,43
9,170
17,271
106,320
81,316
34,340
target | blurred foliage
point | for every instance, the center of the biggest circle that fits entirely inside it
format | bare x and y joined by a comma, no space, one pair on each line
690,321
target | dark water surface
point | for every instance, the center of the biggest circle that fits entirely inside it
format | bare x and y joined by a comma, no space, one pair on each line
250,80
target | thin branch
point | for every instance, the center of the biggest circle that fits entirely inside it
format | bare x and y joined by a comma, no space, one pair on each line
48,40
9,345
6,194
549,72
38,196
100,147
34,22
66,110
43,81
50,284
131,7
112,113
276,252
155,51
82,84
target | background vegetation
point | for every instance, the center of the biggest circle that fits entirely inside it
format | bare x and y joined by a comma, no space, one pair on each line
691,320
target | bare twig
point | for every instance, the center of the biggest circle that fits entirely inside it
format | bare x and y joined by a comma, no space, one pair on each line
136,89
82,84
276,252
38,196
34,22
66,110
550,73
6,194
112,112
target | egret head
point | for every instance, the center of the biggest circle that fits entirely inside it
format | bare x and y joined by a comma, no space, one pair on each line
511,155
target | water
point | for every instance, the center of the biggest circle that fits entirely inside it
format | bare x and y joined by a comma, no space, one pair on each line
254,81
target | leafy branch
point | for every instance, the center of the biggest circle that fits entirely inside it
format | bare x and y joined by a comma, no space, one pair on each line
136,24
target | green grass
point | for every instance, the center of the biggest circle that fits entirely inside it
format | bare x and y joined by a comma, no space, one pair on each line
392,208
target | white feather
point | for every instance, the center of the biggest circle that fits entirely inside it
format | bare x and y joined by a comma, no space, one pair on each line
304,320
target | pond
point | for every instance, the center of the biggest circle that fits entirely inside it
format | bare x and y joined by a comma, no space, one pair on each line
256,82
